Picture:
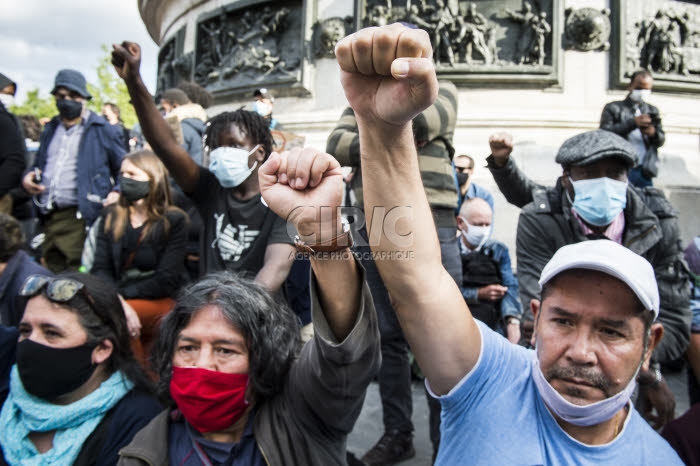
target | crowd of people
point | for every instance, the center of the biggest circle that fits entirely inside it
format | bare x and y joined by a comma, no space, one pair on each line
198,298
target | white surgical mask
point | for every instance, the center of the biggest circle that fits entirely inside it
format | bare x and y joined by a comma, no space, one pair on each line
230,165
588,415
476,235
261,108
640,95
7,100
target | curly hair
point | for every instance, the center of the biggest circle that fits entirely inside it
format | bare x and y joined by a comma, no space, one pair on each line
253,125
270,329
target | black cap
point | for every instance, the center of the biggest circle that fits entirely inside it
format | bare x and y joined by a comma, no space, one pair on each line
5,81
73,81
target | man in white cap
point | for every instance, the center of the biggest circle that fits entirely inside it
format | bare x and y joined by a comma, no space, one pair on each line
567,402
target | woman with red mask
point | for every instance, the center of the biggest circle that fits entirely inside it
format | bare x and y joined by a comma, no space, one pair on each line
240,388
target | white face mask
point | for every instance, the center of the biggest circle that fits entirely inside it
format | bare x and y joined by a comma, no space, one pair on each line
588,415
7,100
261,108
640,95
476,236
230,165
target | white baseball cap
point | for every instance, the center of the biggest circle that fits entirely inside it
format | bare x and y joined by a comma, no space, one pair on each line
611,258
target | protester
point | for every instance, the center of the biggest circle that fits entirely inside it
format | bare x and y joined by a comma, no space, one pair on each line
12,147
240,233
191,117
238,390
77,395
640,123
15,266
79,156
433,131
464,170
592,199
263,104
692,257
567,403
683,434
111,113
196,93
140,246
488,284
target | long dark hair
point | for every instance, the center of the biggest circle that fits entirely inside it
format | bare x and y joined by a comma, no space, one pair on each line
270,329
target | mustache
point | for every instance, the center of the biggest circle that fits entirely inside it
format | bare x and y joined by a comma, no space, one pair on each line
591,376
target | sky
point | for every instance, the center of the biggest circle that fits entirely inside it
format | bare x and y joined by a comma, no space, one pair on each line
40,37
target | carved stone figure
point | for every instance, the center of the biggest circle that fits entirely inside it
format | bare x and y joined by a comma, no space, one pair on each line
327,33
442,22
665,42
527,33
472,30
587,29
541,30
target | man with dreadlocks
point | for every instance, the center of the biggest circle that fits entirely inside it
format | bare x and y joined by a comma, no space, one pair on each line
240,233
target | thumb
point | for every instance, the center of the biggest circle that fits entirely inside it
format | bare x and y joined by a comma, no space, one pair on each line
267,173
420,73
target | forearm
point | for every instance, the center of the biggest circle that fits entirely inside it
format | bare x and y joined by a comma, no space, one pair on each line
339,290
160,137
278,262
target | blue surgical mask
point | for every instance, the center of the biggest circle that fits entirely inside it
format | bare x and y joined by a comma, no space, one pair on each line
230,165
261,108
599,200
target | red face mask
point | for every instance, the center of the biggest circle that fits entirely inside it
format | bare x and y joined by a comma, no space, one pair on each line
209,400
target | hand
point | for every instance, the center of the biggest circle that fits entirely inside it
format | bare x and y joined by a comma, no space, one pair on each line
387,73
132,318
501,145
656,402
491,292
513,332
642,121
126,59
30,186
112,198
296,184
649,131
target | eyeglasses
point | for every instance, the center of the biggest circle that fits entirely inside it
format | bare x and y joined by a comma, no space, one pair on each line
462,169
60,290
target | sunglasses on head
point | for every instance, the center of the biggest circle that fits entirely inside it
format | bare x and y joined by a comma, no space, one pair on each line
60,290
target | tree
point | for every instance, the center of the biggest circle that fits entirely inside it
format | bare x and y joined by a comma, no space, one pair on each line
109,88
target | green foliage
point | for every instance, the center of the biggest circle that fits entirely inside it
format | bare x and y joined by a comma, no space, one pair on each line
35,105
109,88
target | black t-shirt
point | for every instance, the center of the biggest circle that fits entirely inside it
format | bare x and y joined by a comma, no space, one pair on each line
236,233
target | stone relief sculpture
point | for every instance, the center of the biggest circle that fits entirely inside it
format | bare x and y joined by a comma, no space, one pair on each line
327,33
587,29
474,33
669,43
242,47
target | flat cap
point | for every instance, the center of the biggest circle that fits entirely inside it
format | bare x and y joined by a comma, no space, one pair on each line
610,258
591,146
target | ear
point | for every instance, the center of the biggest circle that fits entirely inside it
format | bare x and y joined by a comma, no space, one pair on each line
260,154
656,333
461,224
102,352
535,306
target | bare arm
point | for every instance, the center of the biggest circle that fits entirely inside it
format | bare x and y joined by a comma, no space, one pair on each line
386,93
321,185
278,260
126,59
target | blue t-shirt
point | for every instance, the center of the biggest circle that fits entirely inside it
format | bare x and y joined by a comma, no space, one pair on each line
495,415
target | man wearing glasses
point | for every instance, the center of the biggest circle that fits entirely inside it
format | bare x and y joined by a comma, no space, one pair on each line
464,170
80,155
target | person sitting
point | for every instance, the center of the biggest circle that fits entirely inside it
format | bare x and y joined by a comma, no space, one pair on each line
140,246
566,403
77,395
15,266
238,389
488,283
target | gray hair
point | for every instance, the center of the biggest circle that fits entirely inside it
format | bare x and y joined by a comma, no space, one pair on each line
270,329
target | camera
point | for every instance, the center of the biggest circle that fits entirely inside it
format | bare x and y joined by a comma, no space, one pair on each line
37,176
655,119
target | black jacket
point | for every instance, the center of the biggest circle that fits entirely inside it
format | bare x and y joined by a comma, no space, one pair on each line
618,117
651,230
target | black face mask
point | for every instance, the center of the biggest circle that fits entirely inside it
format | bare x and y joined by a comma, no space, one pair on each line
48,372
462,178
69,109
133,190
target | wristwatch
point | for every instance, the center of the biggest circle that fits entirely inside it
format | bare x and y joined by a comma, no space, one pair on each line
339,243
